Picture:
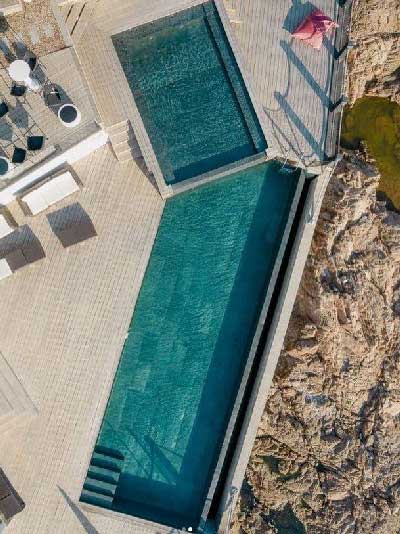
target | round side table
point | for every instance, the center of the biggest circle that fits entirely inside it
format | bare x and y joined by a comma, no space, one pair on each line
69,115
19,70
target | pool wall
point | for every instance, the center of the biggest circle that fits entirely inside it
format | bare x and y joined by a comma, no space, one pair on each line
136,121
253,348
273,345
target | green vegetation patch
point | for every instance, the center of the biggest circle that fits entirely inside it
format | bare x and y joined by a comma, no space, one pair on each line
376,121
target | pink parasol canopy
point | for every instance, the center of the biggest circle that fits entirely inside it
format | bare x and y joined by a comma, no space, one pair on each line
313,28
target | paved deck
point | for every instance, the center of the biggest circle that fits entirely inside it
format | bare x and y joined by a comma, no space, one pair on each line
30,115
291,79
67,317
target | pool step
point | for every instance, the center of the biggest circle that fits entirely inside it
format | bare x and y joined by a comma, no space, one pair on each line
105,461
102,478
102,473
91,497
107,451
123,141
99,486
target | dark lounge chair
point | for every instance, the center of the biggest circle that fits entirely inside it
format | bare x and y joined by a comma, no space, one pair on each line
18,90
52,96
35,142
32,62
19,155
3,109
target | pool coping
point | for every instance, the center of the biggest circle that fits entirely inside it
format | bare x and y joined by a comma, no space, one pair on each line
221,172
167,190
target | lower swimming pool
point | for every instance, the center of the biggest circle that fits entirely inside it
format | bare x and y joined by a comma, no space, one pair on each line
187,346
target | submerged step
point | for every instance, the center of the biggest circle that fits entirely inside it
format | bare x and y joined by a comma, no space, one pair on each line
91,497
99,486
102,460
102,473
107,451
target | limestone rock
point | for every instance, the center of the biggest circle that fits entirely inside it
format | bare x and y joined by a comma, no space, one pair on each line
375,61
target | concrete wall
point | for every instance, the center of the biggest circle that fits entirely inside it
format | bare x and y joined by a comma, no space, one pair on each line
73,154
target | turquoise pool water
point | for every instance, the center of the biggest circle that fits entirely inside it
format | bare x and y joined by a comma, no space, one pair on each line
190,93
187,345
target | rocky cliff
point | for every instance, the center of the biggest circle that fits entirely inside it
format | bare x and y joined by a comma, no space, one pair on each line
327,455
374,62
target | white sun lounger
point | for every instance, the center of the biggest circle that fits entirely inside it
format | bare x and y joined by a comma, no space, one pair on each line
6,227
5,269
48,193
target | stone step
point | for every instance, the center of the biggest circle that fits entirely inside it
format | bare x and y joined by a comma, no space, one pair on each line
120,137
118,127
103,460
91,497
101,473
100,486
129,144
126,156
124,142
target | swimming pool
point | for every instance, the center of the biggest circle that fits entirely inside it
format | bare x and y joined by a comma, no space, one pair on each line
190,93
187,345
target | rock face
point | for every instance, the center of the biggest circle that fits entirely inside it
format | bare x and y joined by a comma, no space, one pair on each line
374,63
327,455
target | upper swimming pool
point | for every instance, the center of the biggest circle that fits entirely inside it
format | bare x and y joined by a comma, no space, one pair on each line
187,345
190,93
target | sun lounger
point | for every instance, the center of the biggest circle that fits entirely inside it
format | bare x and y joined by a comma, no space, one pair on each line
5,269
48,193
6,225
18,258
10,502
76,232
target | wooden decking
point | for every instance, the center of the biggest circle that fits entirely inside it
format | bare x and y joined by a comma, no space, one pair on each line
67,317
291,79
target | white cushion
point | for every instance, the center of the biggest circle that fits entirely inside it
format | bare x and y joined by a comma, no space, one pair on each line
50,192
5,227
35,201
66,183
4,269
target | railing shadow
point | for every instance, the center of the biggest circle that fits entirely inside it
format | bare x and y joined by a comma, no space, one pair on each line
81,517
303,70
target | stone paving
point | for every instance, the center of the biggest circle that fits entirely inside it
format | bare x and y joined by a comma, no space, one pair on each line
66,321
